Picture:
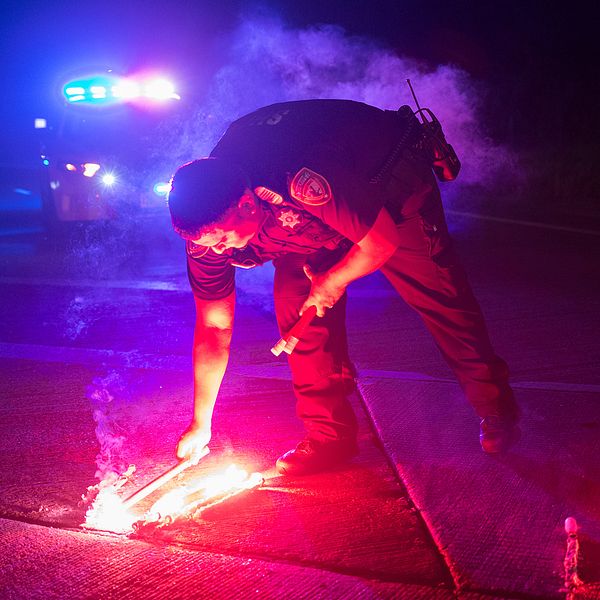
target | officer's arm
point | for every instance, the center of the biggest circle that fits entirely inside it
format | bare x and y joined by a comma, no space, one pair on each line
363,258
212,339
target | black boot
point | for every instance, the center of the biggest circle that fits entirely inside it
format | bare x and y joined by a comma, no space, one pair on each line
498,433
312,456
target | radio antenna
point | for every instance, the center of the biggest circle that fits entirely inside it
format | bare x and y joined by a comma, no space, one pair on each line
413,94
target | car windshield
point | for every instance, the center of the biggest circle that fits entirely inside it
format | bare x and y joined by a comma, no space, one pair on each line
125,132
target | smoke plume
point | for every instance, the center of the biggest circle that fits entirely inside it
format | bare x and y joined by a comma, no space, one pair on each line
269,62
107,396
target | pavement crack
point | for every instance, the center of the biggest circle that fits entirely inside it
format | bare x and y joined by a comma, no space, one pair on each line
297,562
452,578
365,574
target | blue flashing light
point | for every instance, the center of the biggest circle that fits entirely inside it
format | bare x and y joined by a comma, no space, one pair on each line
45,162
92,90
74,91
106,89
98,92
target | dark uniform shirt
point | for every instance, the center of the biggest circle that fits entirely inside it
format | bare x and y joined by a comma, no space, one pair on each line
314,166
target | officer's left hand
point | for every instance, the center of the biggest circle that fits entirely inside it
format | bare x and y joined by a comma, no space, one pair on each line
324,293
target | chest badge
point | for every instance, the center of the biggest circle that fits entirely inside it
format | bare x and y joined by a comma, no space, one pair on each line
289,218
310,188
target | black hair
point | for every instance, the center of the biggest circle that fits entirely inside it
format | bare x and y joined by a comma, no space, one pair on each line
202,191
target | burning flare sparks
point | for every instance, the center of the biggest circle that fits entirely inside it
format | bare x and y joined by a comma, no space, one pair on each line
109,512
202,492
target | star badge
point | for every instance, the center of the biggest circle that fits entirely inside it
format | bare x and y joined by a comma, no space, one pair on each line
289,218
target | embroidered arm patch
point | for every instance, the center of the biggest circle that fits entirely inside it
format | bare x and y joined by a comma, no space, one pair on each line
310,188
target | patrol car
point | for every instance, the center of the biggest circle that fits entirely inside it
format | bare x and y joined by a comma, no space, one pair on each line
97,157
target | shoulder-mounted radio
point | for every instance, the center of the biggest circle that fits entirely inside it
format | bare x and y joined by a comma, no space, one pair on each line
444,161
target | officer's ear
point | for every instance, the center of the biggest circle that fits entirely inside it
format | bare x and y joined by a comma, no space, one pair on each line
247,204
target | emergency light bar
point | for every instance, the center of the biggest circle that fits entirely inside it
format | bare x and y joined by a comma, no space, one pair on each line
108,89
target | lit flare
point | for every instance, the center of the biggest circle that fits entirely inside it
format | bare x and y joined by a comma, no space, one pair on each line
200,494
110,512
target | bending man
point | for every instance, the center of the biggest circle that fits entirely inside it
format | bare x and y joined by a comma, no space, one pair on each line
330,191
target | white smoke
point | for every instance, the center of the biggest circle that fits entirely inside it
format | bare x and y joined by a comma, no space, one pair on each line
269,62
106,395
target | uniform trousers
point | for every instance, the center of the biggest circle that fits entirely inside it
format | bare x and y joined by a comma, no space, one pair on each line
427,274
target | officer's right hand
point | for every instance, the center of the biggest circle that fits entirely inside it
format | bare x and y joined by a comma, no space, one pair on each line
324,292
193,440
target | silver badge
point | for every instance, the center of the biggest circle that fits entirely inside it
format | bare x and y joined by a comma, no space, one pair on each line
289,218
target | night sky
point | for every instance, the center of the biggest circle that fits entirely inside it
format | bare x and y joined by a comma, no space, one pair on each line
536,62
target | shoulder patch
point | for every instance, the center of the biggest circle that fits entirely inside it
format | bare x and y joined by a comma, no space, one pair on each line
310,188
268,195
195,250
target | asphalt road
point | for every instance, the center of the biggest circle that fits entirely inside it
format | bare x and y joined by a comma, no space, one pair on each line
95,372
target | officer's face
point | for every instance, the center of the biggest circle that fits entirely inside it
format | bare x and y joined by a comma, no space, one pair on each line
236,229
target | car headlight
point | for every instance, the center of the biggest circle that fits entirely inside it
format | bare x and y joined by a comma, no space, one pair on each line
162,188
108,179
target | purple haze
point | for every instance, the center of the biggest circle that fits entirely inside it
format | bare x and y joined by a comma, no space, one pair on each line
269,62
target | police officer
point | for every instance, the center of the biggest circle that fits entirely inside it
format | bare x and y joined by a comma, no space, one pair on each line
330,191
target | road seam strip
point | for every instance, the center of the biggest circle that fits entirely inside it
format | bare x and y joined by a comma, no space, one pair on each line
442,555
135,359
535,224
347,572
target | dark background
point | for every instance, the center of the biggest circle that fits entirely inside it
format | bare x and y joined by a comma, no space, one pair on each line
536,62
